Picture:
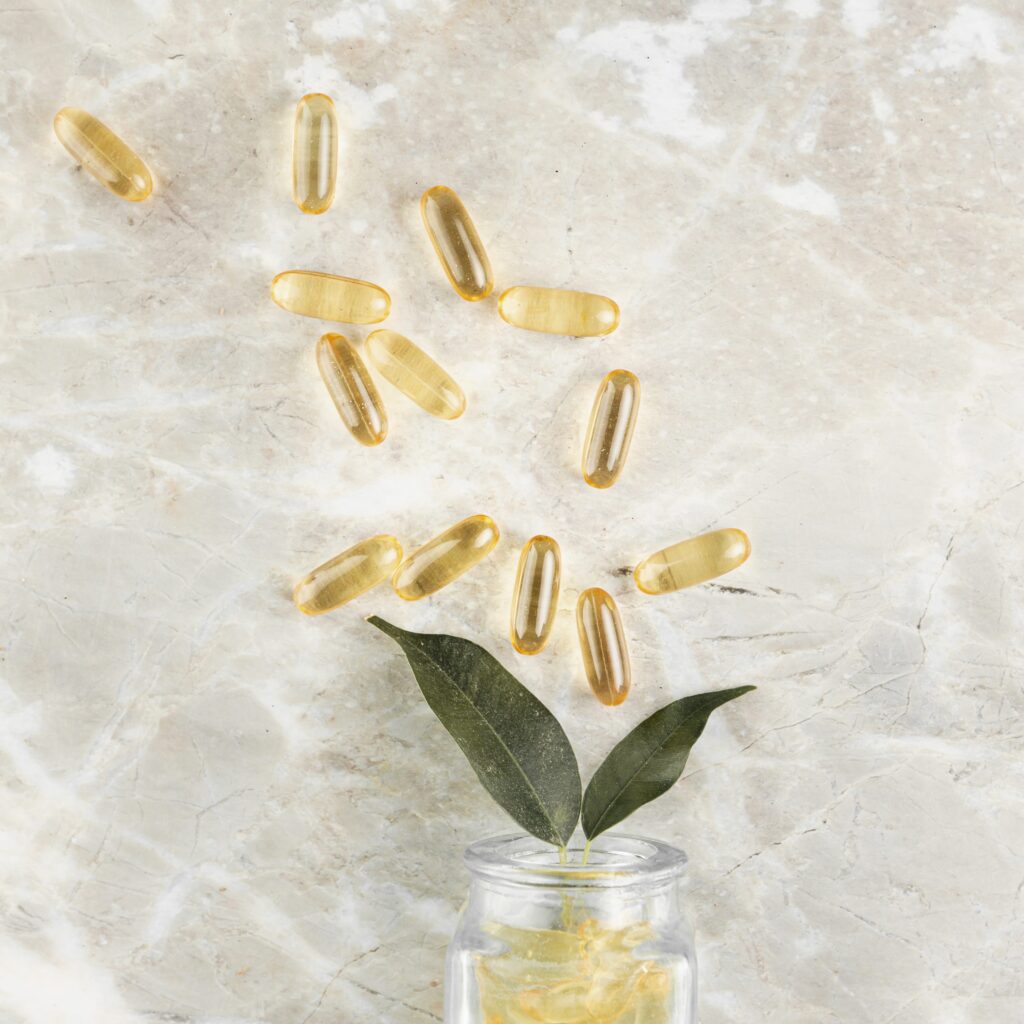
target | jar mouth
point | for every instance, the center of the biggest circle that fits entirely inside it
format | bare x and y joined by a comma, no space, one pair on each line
615,860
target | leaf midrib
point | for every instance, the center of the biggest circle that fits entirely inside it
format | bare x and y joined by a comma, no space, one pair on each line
497,736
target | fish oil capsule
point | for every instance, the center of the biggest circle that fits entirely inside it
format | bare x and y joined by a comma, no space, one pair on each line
455,240
611,428
603,643
314,153
415,374
328,297
535,597
351,389
696,560
103,154
346,576
558,311
445,558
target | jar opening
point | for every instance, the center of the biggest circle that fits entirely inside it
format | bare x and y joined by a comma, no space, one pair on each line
614,860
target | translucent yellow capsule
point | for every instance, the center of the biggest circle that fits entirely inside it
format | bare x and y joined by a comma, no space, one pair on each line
415,374
611,428
456,242
314,153
535,597
564,1002
327,297
603,643
346,576
108,159
696,560
351,389
445,558
557,311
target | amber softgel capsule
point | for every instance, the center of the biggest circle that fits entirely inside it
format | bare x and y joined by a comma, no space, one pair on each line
611,428
535,595
111,161
558,311
455,240
346,576
415,374
692,561
445,558
315,153
345,300
351,388
603,646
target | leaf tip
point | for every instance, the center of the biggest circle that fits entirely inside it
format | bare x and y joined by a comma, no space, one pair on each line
382,624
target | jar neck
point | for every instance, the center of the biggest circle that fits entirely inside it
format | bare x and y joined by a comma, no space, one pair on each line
625,904
614,870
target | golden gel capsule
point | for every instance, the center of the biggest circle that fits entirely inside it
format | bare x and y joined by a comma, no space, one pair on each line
603,643
445,558
344,299
696,560
557,311
415,374
314,153
103,154
535,598
452,233
351,389
347,575
611,428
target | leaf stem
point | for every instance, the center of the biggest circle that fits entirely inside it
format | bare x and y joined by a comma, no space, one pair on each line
563,858
586,851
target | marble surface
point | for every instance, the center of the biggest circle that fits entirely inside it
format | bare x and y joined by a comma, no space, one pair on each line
213,809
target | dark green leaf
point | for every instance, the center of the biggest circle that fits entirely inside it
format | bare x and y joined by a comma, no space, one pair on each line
514,744
649,760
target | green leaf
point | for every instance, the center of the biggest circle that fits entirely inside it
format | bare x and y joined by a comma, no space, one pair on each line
514,744
649,760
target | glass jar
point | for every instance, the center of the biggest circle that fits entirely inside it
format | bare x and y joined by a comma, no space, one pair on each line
543,942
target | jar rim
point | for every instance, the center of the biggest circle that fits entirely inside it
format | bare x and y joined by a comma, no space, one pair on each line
615,860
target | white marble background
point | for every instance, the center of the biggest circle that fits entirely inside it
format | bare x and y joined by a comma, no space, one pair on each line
213,809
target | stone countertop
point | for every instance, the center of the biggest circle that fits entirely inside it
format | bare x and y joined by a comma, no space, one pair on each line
213,809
